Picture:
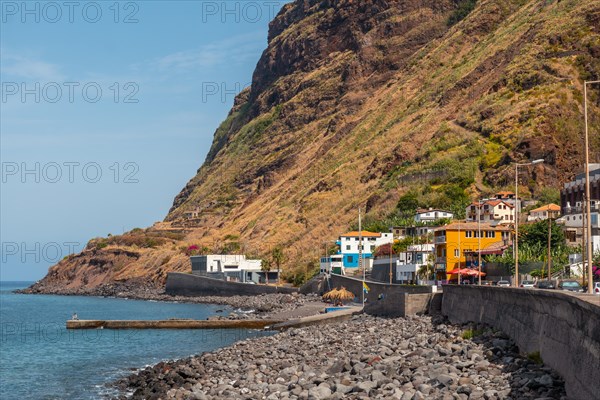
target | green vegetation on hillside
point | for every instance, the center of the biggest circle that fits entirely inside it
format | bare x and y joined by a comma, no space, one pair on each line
464,8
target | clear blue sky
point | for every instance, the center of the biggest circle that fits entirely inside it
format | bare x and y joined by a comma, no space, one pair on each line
133,90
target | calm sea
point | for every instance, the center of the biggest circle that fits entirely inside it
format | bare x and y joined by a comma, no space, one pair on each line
40,359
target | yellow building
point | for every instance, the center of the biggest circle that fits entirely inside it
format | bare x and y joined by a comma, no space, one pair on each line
457,245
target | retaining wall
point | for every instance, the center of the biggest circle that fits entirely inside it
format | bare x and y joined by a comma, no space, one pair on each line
179,284
375,288
384,299
565,330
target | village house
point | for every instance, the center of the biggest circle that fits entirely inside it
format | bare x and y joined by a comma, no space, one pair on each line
551,211
349,247
231,267
402,232
573,208
457,245
491,211
432,214
405,266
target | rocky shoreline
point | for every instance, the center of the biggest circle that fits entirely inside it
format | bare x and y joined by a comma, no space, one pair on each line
413,358
261,306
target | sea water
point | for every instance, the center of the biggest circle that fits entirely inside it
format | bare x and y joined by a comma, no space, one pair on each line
41,359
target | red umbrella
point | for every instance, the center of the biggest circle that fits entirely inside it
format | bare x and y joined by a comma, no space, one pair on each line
474,272
462,271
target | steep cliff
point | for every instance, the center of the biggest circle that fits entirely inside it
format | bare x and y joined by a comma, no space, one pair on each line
354,103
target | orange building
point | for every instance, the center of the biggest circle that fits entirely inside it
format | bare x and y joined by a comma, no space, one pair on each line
456,243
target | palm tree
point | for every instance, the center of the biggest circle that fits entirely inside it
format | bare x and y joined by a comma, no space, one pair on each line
265,266
278,258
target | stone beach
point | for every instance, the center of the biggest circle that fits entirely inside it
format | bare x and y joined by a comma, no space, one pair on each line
412,358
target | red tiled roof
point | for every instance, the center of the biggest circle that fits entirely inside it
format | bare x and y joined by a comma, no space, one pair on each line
547,207
363,233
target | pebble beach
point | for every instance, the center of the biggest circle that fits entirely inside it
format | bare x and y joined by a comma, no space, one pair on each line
413,358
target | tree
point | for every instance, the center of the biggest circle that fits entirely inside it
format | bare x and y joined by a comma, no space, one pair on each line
536,234
383,250
265,265
408,204
278,258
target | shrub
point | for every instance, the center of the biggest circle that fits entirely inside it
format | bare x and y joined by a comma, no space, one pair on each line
535,357
464,8
471,333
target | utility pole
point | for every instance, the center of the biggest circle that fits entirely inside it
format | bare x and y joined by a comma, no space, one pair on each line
588,203
517,204
549,241
479,240
360,261
458,279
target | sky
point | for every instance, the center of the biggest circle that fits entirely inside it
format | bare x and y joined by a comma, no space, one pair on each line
107,109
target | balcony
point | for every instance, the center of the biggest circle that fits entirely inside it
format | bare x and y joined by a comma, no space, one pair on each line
440,239
440,260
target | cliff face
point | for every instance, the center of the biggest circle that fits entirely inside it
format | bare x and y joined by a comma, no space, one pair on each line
354,103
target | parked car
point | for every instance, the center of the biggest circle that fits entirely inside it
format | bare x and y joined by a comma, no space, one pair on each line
596,287
570,285
545,285
503,283
527,284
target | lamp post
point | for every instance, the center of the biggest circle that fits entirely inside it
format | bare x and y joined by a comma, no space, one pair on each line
517,165
479,240
391,253
587,190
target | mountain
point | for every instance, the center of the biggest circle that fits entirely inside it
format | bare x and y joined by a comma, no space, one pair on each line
358,103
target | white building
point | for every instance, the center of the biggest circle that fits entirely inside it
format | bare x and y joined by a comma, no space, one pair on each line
544,212
432,214
573,223
349,246
407,264
333,264
491,211
231,267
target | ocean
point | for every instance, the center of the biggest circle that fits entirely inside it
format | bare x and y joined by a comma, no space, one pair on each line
40,359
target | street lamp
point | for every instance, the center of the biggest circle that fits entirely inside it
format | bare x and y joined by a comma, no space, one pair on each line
517,165
587,190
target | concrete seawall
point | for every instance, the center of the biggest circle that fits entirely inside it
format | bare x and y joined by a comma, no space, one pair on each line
179,284
563,329
388,300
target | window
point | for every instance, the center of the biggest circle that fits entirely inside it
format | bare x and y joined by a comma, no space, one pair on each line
469,234
350,259
455,252
372,248
490,234
347,247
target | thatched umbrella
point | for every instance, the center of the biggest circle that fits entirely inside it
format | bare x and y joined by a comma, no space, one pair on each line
331,295
345,294
342,294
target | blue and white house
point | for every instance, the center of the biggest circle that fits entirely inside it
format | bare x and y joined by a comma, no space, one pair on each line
349,247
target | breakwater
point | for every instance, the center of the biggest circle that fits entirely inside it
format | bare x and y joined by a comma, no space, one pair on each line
173,324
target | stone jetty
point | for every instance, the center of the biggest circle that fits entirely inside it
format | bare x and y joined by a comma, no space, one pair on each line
366,357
